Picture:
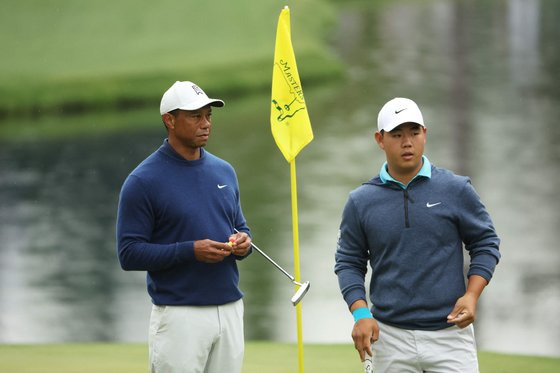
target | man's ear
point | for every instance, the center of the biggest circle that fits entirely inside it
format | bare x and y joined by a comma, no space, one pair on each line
379,138
168,120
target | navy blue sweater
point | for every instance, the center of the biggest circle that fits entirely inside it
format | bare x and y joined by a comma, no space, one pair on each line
165,205
413,239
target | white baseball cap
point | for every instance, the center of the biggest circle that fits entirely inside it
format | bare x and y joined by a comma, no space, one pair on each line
398,111
186,96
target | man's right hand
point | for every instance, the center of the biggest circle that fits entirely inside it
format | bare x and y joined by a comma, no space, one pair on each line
208,251
364,333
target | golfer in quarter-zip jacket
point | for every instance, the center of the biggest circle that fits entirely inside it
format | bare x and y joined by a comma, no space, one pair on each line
410,223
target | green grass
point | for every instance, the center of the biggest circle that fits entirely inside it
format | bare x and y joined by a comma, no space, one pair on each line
71,56
259,357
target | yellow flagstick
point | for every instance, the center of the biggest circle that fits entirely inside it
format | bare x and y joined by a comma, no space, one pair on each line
296,260
291,129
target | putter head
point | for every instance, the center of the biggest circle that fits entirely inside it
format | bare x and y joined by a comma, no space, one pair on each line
298,296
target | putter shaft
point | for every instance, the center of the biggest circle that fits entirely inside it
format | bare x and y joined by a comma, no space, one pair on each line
272,261
303,288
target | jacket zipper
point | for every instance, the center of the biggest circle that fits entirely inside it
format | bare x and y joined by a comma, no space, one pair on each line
406,199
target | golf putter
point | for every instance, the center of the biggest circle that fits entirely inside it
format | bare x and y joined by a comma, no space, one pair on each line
303,287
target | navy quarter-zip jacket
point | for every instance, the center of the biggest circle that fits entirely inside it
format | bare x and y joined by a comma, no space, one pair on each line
414,239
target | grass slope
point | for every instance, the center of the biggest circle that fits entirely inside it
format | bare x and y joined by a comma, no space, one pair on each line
66,55
259,357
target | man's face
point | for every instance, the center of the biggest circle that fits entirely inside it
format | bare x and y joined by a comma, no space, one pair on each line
192,128
404,147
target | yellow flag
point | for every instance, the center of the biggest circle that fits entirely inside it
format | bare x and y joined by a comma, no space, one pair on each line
289,119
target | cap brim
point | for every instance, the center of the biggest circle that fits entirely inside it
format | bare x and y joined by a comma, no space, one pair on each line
201,103
395,125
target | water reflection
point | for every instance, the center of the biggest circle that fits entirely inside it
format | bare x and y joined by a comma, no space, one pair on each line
57,229
486,77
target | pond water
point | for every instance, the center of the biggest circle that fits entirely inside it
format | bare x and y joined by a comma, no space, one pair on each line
486,77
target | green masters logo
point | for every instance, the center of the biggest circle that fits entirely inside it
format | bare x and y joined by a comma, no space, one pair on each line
294,102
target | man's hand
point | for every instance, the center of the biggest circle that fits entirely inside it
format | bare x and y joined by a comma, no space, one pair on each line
464,312
364,333
208,251
240,243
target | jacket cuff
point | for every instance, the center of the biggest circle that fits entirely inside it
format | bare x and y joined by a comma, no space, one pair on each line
354,295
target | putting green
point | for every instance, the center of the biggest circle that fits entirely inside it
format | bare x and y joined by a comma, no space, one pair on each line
259,357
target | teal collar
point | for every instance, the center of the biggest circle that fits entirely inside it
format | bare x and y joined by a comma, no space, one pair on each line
425,171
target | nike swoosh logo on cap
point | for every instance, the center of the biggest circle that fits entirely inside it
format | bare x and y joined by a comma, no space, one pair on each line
398,111
222,186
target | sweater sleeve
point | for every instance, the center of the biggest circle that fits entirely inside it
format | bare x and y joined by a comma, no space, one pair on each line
479,235
351,256
135,223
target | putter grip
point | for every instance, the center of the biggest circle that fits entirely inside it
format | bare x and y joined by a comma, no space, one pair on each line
368,364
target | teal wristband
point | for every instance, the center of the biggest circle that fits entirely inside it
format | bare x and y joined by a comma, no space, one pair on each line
362,313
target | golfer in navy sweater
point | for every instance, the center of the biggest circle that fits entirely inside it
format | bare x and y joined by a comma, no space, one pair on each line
176,218
410,223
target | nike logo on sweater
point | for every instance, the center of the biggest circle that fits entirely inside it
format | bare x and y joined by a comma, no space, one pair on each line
428,204
222,186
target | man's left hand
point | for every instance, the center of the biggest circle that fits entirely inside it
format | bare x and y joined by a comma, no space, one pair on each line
464,312
240,243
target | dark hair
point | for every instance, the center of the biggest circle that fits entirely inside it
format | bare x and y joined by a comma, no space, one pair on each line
174,112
